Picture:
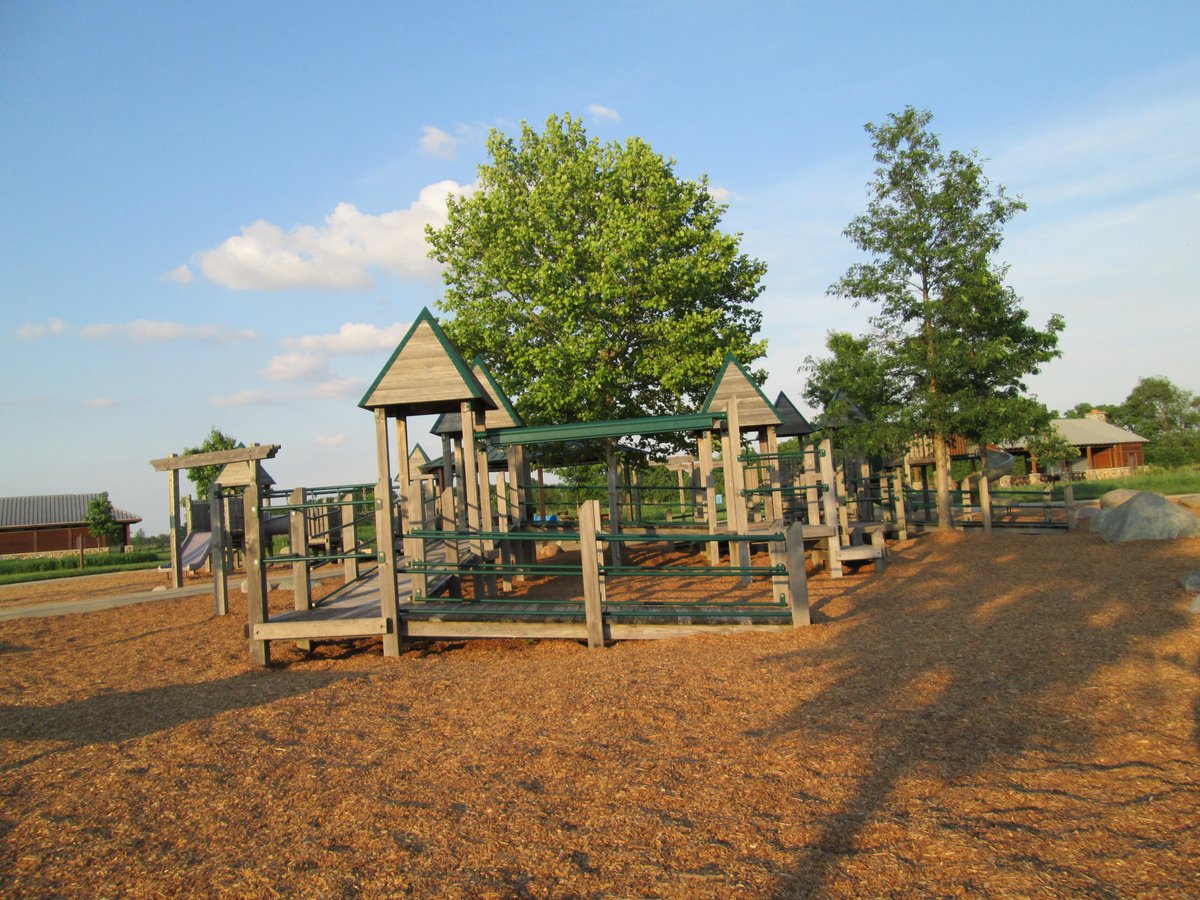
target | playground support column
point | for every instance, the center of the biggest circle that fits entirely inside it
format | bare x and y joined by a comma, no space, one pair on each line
985,493
403,474
471,486
812,481
901,509
1069,503
614,500
795,584
705,451
256,571
589,518
218,550
415,548
829,499
774,471
298,545
349,539
517,503
735,487
173,522
502,515
385,522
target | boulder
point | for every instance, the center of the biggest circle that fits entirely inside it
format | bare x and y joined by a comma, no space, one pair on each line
1116,497
1191,501
1191,582
1146,517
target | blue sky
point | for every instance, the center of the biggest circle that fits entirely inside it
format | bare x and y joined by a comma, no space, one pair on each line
213,212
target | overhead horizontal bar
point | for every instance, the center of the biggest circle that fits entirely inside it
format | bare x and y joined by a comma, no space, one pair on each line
582,431
216,458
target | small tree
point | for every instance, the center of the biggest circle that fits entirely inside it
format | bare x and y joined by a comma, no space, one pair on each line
1052,450
101,520
949,333
203,476
594,281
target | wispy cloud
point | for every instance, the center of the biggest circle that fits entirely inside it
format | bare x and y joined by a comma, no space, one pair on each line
339,255
180,275
436,142
33,330
250,398
297,366
331,440
351,337
149,331
603,112
101,403
335,387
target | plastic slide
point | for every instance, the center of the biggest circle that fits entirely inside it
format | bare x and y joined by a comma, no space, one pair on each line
194,553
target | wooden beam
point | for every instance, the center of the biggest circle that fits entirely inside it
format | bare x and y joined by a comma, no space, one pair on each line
797,576
173,523
219,550
216,458
705,452
256,570
614,499
385,521
349,537
589,554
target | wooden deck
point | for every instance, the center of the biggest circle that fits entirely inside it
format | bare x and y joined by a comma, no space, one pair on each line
354,611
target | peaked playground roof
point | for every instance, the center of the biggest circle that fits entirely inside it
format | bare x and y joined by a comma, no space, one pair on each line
754,409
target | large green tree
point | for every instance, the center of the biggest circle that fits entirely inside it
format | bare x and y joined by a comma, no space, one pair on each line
101,519
203,476
594,281
948,331
1157,406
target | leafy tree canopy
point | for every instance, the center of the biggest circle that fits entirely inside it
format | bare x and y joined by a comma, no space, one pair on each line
1051,449
1157,406
203,476
948,333
101,519
595,283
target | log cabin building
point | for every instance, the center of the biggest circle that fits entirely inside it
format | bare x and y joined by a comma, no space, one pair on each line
53,522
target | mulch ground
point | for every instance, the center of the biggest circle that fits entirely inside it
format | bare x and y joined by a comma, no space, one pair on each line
1004,715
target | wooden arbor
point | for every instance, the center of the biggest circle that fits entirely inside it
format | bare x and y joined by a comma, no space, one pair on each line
424,375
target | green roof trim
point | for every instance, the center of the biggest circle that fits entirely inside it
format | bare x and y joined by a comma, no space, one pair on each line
582,431
471,382
794,423
730,359
419,452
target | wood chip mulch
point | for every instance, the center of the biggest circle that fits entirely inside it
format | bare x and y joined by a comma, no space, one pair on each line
1007,715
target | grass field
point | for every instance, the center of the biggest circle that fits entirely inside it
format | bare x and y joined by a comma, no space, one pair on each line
43,568
1183,480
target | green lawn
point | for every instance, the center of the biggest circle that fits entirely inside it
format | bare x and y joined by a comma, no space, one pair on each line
43,568
1183,480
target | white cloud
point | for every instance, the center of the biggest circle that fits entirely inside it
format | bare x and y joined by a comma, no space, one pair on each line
250,398
297,366
351,337
603,112
435,142
148,331
101,403
33,330
723,194
339,388
331,440
338,255
180,275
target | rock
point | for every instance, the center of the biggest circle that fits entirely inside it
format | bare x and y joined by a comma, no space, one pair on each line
1087,518
1191,501
161,587
1115,498
1146,517
1191,582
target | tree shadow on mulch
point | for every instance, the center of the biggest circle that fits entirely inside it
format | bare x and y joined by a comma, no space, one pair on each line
958,680
109,718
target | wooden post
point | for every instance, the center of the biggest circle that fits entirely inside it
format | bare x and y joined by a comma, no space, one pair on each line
901,508
256,570
487,545
682,494
705,450
349,537
542,494
1069,503
791,553
403,475
415,548
385,529
879,542
502,513
173,522
1047,499
614,500
812,481
985,493
829,501
775,469
298,540
471,489
517,490
218,550
79,543
593,612
735,500
635,495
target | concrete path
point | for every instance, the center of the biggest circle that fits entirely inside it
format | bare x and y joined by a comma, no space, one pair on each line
71,607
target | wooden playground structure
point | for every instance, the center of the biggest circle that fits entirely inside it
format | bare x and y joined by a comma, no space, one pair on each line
455,539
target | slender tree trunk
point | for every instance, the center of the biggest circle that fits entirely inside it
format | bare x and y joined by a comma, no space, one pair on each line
941,460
